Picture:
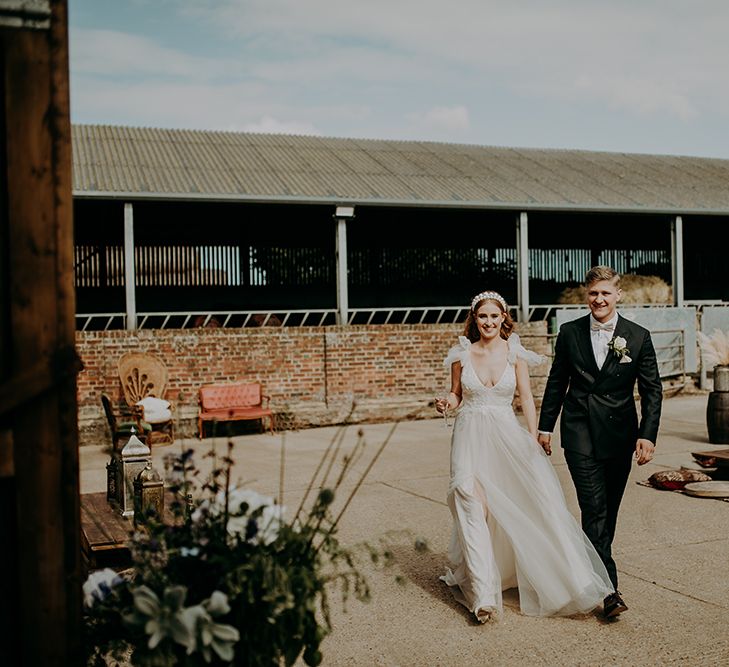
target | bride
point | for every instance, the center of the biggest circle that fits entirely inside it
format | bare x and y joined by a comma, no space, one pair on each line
511,525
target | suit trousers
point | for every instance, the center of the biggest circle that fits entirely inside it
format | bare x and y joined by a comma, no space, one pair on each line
600,484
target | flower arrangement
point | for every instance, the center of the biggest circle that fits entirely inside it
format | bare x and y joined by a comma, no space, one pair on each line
715,347
619,346
226,577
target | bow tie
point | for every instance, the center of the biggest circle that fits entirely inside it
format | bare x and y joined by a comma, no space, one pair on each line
596,326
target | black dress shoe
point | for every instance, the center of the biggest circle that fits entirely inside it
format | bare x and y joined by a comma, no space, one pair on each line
614,605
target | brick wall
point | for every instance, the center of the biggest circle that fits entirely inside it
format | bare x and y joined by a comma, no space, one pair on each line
314,375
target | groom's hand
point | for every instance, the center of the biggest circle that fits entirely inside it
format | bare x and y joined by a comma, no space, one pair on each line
644,451
544,439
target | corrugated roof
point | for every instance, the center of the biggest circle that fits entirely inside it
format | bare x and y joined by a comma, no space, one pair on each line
134,162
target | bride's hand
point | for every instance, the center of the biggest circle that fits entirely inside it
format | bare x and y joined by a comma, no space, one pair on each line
441,405
546,442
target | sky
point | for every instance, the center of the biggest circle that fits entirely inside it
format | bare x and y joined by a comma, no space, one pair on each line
635,76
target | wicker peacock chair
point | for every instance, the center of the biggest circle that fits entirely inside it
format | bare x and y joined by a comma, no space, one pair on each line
143,375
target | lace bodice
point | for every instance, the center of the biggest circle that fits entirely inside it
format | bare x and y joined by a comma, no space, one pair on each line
477,395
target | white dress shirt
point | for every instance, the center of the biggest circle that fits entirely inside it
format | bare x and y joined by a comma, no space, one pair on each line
600,339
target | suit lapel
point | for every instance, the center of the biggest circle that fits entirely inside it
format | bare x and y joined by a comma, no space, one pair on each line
584,342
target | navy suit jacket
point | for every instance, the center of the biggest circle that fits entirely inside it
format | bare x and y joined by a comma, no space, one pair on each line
599,414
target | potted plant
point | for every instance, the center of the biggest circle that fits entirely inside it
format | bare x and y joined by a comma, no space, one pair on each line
229,576
715,354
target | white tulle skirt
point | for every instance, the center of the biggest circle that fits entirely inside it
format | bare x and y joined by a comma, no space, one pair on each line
511,524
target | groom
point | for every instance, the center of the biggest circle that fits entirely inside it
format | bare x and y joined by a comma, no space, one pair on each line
597,361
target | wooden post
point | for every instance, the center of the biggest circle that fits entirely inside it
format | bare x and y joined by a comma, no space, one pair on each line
40,590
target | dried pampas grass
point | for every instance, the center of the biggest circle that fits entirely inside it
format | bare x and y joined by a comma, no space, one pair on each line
636,289
714,347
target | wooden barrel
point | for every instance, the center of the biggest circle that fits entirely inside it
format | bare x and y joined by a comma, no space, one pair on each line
717,417
721,378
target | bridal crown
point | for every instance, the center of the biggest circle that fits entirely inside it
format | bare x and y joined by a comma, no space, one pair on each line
489,295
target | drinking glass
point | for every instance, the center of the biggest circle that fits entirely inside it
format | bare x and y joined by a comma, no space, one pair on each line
442,395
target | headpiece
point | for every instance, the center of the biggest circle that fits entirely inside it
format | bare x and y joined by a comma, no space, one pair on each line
489,295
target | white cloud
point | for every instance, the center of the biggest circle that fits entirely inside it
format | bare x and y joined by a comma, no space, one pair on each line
183,105
444,119
112,53
637,95
341,65
644,58
269,125
472,70
203,106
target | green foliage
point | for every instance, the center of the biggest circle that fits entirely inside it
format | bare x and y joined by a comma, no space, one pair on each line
228,580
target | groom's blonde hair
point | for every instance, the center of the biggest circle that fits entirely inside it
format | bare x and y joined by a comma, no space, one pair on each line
601,272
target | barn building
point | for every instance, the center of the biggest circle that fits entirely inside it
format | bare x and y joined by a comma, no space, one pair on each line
343,231
339,270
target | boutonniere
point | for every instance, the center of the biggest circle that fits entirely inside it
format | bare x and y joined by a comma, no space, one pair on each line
619,346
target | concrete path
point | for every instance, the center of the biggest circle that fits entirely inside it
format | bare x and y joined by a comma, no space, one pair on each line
672,552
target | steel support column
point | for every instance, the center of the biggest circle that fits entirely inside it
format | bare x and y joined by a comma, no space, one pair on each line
522,265
129,267
341,215
677,260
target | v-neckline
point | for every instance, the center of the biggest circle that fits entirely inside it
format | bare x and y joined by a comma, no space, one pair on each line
480,381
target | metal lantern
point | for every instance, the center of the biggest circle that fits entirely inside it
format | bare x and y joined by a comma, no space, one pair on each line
111,473
130,461
149,492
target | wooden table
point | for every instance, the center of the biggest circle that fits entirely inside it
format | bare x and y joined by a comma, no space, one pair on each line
716,457
105,532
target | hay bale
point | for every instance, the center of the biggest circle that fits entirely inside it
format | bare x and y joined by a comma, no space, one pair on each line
636,289
573,295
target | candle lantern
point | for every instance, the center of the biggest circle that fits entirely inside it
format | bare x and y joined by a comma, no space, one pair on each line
111,472
131,460
148,493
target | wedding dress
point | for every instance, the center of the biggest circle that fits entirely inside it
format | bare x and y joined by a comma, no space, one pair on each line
511,525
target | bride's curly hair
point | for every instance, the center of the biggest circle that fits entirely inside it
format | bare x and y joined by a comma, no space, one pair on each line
470,328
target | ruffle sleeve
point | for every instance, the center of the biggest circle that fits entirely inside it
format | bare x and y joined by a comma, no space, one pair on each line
518,351
457,352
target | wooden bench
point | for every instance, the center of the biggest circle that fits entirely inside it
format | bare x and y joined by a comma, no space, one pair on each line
233,401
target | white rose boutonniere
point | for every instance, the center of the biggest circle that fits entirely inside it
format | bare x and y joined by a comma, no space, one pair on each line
620,347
